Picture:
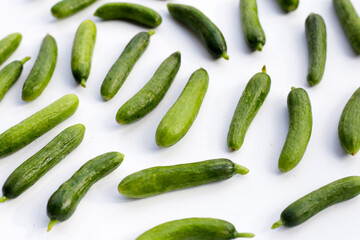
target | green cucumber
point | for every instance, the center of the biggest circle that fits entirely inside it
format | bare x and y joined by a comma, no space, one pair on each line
67,8
249,104
8,45
157,180
29,172
300,127
82,51
288,5
131,12
178,120
209,34
124,64
62,204
316,201
194,228
42,70
37,124
152,93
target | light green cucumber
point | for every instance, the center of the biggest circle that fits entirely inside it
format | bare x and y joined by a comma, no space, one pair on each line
67,8
8,45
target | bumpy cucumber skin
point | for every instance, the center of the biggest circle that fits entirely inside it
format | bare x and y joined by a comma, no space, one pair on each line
8,45
316,40
42,71
29,172
249,104
152,93
300,127
253,32
37,124
209,34
67,8
129,11
178,120
123,65
82,51
289,5
62,204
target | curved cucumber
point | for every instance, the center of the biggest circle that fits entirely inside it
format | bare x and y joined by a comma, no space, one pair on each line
67,8
62,204
124,64
300,127
178,120
152,93
8,45
42,70
82,51
289,5
249,104
129,11
316,201
157,180
37,124
209,34
194,228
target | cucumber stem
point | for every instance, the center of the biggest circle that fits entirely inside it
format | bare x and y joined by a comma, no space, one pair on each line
293,88
151,32
259,47
264,69
225,56
25,60
244,235
3,199
240,169
51,224
277,224
82,83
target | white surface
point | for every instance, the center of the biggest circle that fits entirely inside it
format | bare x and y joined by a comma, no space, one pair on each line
252,202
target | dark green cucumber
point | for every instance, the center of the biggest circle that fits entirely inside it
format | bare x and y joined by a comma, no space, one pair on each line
249,104
288,5
8,45
131,12
316,201
178,120
82,51
209,34
194,228
152,93
253,32
37,124
42,70
29,172
124,64
157,180
316,40
67,8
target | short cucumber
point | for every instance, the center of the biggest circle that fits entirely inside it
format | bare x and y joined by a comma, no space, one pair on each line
8,45
178,120
157,180
289,5
67,8
316,201
194,228
152,93
37,124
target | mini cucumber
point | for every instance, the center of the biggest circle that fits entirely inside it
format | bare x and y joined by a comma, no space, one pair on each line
194,228
152,93
209,34
253,32
300,127
316,201
316,40
131,12
37,124
82,51
249,104
62,204
42,70
157,180
289,5
178,120
29,172
67,8
8,45
124,64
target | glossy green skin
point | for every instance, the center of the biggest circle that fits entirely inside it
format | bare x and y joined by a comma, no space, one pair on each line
67,8
8,45
62,204
289,5
350,22
152,93
82,51
129,11
253,32
123,65
42,71
300,127
178,120
249,104
209,34
316,40
29,172
37,124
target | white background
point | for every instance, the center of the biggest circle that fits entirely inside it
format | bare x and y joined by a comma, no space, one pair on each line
252,202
